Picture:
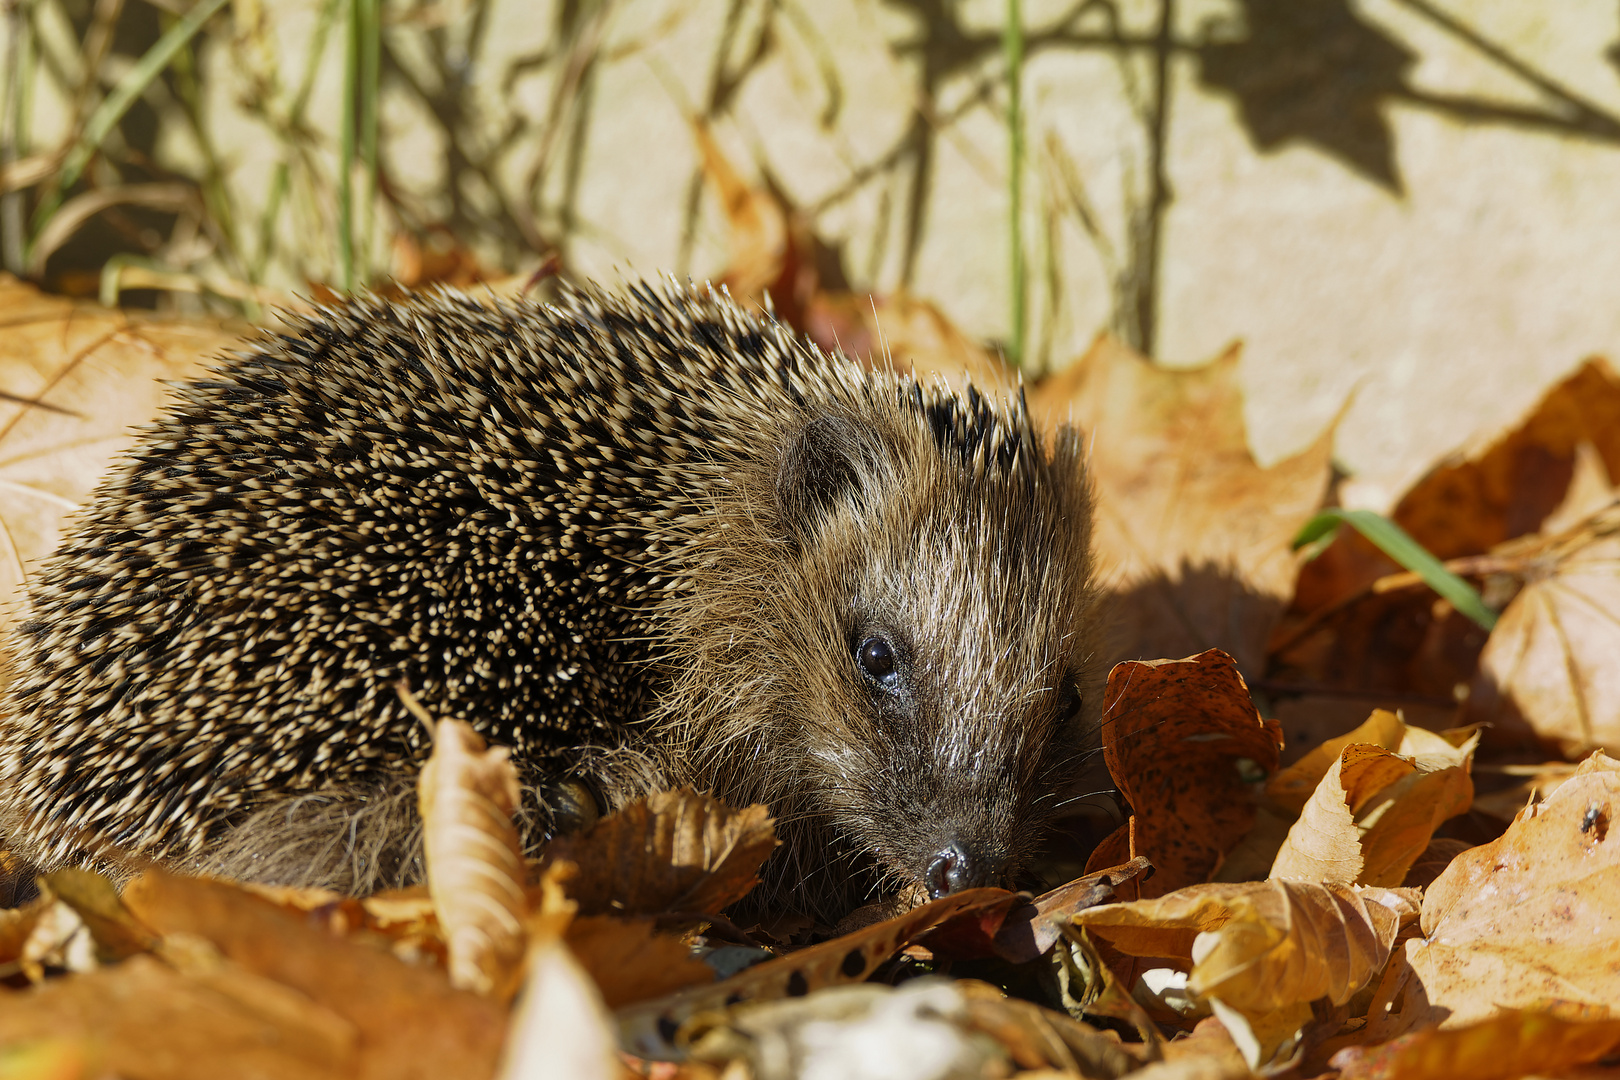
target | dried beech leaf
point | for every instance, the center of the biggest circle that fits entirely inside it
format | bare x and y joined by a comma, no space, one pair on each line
1373,814
1549,664
559,1024
1531,915
141,1018
118,934
1263,950
98,369
1506,1044
411,1022
468,794
1293,787
672,851
1195,533
629,962
1180,737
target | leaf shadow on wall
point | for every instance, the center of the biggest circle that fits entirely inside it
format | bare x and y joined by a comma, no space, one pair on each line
1313,71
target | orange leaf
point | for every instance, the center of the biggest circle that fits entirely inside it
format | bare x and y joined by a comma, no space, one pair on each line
1530,915
672,851
1175,736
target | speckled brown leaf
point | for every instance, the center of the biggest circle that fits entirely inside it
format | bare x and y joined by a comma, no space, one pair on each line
1184,742
1191,532
1375,812
102,367
672,851
1509,1043
1549,665
468,793
411,1022
651,1028
1529,916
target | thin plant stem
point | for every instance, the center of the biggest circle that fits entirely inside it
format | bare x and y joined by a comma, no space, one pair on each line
13,132
369,60
345,180
295,122
115,105
1012,47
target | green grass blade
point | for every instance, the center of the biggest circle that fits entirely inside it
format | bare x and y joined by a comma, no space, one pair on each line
345,179
1394,541
1012,47
116,104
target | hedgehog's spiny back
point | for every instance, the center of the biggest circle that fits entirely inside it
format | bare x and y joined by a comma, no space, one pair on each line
469,498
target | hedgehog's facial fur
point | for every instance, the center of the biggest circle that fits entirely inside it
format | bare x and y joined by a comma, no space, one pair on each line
963,546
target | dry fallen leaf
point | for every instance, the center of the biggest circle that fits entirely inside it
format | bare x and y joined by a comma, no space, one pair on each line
1262,952
1374,813
1509,489
1528,917
629,962
1184,743
411,1022
141,1018
97,370
559,1025
653,1028
675,851
1192,536
1507,1044
474,857
1549,664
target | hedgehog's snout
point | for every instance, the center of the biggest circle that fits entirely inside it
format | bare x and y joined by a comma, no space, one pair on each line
958,866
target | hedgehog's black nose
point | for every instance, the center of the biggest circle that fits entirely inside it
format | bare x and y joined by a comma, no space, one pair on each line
955,869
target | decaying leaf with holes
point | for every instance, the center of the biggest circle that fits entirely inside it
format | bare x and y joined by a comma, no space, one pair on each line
654,1029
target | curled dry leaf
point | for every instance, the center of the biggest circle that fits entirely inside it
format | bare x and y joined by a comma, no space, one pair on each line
1529,916
1375,812
1190,530
675,851
411,1022
468,794
1261,952
654,1029
1508,1043
1183,741
1549,664
559,1026
96,371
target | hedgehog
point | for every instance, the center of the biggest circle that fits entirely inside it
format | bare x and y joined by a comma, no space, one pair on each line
641,538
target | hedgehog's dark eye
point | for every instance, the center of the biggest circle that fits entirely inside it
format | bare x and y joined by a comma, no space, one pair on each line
876,657
1068,704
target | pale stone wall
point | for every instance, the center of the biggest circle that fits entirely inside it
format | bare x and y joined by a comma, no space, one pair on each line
1412,205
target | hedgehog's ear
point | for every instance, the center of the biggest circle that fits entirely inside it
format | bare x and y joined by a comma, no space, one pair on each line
828,463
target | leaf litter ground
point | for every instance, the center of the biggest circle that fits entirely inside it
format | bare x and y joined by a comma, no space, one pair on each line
1316,886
